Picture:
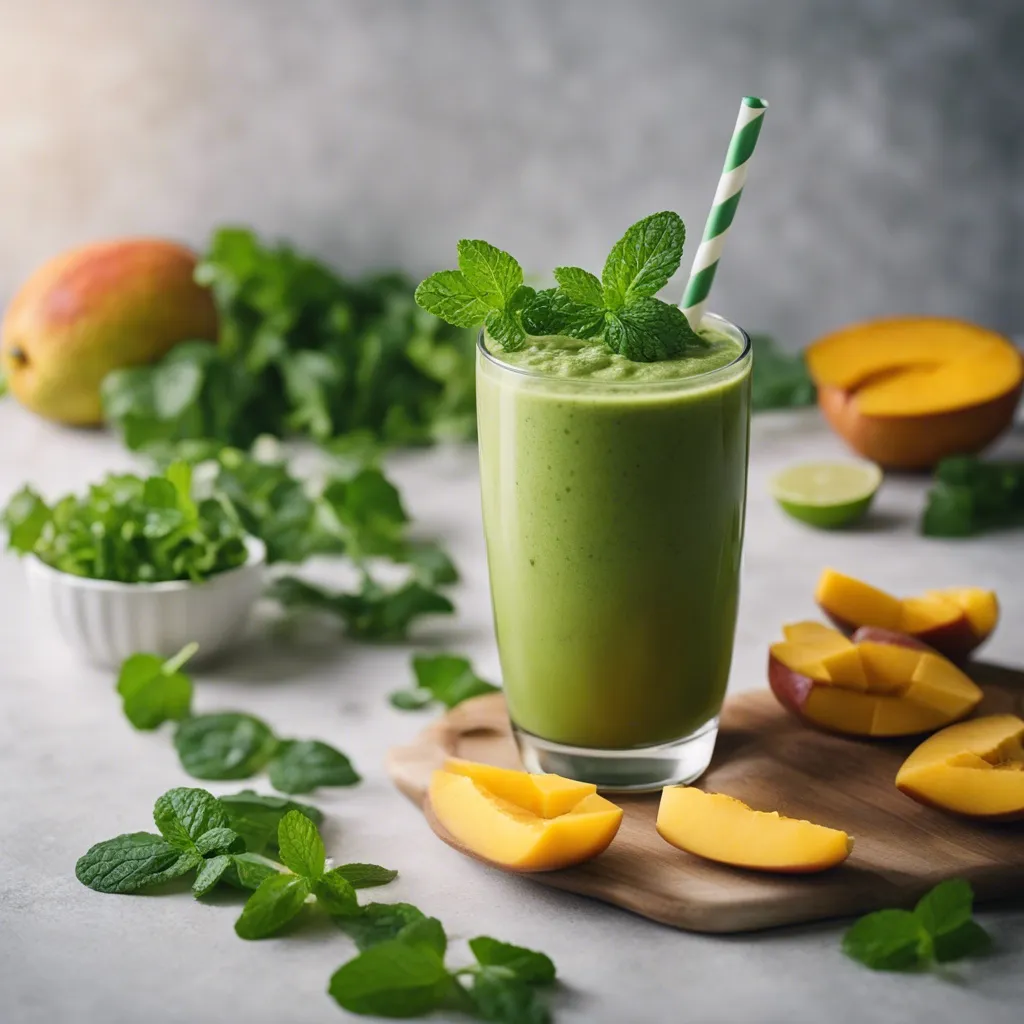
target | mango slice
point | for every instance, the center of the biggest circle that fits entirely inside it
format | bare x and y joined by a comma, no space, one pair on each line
908,392
547,796
723,829
955,622
498,830
973,768
885,685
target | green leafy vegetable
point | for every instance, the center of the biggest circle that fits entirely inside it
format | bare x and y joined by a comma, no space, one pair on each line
301,765
366,876
129,529
227,745
155,691
375,612
281,897
300,351
400,971
256,817
940,928
621,306
194,835
233,745
393,979
277,900
379,922
970,496
446,678
779,380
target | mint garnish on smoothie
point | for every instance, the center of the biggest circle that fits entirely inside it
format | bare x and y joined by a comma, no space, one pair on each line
620,308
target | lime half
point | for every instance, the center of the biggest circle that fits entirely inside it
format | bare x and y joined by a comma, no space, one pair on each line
826,494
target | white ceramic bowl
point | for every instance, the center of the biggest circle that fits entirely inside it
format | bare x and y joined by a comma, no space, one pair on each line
107,621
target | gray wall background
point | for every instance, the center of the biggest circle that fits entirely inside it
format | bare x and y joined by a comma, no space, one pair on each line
377,132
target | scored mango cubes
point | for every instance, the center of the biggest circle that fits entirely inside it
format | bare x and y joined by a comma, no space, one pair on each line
521,821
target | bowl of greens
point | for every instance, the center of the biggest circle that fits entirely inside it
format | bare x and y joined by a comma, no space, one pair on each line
138,564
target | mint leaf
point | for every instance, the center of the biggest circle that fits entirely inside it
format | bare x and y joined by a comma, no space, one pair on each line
649,330
302,765
256,817
392,979
132,862
210,873
779,380
888,940
580,286
427,932
447,678
432,565
302,849
228,745
128,529
946,907
183,815
373,613
336,895
365,876
971,496
249,870
219,840
552,312
642,261
153,691
379,922
498,997
970,939
491,273
525,964
25,518
506,325
278,899
448,295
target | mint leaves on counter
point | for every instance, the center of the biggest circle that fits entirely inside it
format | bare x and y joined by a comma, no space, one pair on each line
939,929
301,351
155,691
281,897
970,496
234,745
444,678
255,817
129,529
779,380
401,971
193,828
488,289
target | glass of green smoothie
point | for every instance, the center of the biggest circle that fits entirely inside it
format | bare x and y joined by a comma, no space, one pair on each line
613,462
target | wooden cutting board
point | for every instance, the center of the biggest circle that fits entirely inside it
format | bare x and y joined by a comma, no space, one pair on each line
772,762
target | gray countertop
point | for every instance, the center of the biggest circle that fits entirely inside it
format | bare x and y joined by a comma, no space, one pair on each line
73,772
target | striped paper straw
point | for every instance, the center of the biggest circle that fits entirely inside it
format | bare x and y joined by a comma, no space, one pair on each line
727,198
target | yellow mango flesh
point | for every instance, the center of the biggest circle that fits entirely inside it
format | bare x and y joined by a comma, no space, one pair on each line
872,688
547,796
973,768
497,830
856,603
916,367
980,606
723,829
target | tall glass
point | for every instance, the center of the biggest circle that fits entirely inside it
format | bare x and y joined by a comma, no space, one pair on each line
613,514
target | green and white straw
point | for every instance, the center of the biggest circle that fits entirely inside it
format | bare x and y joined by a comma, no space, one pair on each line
727,198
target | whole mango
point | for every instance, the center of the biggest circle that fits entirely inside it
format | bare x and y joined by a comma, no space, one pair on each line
96,309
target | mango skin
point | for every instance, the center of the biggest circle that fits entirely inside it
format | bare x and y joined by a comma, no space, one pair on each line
96,309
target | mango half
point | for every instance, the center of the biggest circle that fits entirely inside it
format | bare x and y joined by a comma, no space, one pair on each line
520,821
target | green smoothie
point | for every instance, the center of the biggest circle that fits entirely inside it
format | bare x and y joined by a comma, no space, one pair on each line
613,501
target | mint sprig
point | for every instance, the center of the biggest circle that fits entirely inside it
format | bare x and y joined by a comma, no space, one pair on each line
939,929
401,971
155,691
448,679
620,307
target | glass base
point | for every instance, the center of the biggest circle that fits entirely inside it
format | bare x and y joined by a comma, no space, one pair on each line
636,770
